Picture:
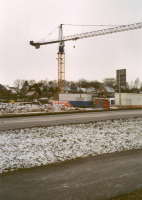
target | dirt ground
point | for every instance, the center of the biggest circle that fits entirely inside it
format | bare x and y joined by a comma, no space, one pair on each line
137,195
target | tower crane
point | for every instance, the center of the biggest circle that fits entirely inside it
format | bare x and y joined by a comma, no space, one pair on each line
62,39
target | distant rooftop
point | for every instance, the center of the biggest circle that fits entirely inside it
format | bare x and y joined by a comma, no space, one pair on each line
109,88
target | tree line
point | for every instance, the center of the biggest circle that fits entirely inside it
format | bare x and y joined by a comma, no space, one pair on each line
82,83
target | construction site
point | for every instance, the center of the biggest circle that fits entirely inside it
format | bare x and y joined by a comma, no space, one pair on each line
81,99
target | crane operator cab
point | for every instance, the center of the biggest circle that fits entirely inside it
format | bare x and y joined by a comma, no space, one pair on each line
61,47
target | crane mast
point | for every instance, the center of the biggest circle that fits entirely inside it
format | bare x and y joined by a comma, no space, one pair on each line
61,50
61,62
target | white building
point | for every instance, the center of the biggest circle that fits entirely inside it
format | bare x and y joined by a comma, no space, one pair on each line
78,99
129,100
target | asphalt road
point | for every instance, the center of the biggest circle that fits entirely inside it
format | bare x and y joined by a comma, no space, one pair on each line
45,120
93,178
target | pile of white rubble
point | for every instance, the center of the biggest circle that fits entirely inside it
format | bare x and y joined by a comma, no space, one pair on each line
18,108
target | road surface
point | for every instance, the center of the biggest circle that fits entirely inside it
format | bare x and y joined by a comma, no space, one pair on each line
46,120
93,178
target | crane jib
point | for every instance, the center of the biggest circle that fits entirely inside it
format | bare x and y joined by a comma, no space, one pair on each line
90,34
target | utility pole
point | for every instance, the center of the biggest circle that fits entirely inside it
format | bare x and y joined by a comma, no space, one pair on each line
119,92
121,80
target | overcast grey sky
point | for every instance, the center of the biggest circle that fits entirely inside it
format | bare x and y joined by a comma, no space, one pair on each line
94,58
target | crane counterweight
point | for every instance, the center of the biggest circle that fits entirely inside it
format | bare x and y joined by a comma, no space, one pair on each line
37,46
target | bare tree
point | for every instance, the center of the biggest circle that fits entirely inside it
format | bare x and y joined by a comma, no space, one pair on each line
110,81
141,86
17,83
55,82
95,84
22,83
82,83
67,83
131,85
31,82
137,83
